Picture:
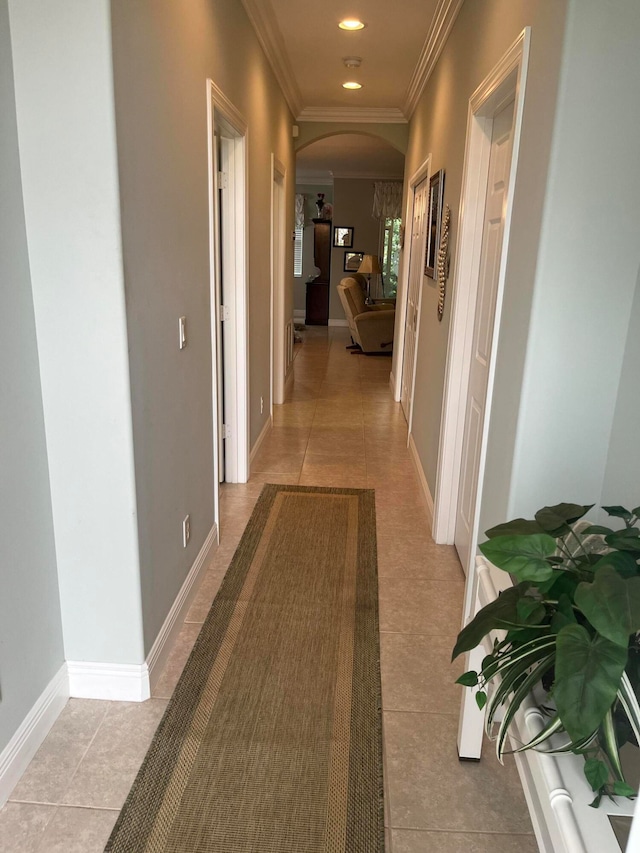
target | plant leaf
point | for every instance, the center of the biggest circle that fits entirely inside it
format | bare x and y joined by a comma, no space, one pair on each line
629,702
468,679
524,687
530,611
596,528
623,790
597,773
514,669
625,540
617,511
522,556
587,678
481,699
609,743
517,527
556,519
562,583
554,724
611,604
622,561
497,614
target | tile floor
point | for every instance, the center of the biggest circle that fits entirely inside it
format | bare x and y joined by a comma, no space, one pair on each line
338,427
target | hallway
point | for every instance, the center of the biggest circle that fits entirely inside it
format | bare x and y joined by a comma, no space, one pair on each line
337,427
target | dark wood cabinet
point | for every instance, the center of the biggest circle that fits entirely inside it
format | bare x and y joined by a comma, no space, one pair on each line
317,303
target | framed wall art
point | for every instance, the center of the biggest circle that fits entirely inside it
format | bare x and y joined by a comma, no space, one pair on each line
352,261
434,222
343,237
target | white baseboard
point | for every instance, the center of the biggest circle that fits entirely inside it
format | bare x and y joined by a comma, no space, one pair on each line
424,486
121,682
341,323
299,314
161,648
266,429
129,682
24,744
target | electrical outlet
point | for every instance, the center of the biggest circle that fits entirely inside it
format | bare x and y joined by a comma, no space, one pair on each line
261,405
186,531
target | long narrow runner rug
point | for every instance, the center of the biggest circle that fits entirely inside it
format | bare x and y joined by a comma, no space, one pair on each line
272,739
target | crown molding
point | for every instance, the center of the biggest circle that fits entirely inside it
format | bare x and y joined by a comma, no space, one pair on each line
355,115
311,180
373,176
265,24
443,20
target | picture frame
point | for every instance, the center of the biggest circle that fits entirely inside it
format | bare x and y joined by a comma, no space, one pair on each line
434,223
352,261
342,237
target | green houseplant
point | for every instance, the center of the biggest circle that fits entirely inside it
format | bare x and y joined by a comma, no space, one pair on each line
571,623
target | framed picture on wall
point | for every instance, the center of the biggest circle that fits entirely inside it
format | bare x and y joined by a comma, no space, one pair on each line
352,261
343,236
434,222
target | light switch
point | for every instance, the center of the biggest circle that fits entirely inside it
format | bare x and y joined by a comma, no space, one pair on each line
182,332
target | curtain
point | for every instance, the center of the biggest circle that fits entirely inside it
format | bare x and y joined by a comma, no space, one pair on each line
299,210
387,199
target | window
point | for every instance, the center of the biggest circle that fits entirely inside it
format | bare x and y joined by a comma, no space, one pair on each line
390,240
297,253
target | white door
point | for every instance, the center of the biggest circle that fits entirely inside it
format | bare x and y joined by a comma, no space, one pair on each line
278,321
491,252
218,302
416,272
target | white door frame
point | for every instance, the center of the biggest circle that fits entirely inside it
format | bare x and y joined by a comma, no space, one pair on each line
278,249
423,171
224,118
506,79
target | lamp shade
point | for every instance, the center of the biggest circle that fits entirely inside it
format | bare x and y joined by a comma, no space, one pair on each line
370,264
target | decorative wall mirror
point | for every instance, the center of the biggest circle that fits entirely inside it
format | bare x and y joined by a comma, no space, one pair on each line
434,220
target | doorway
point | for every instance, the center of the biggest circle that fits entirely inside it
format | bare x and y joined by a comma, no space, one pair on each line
228,288
490,256
493,134
420,190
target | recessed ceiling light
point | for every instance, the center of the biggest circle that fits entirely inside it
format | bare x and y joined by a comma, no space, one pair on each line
352,85
351,24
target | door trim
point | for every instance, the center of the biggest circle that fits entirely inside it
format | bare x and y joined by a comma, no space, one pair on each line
278,253
222,115
402,300
507,79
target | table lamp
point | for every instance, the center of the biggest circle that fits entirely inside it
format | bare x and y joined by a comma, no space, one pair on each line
370,264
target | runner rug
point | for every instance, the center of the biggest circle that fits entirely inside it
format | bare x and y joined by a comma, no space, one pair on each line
272,739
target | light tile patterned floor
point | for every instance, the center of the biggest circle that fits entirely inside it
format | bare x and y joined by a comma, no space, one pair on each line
338,427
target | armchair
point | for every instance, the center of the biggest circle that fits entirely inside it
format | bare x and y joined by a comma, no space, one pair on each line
371,326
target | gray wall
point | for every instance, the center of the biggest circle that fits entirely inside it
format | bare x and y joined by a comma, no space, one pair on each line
483,32
66,130
622,474
352,206
586,273
31,650
163,52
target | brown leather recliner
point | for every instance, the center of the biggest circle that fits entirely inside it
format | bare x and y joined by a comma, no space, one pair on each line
371,326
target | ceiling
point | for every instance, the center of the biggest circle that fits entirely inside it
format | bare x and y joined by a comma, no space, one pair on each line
349,155
399,47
